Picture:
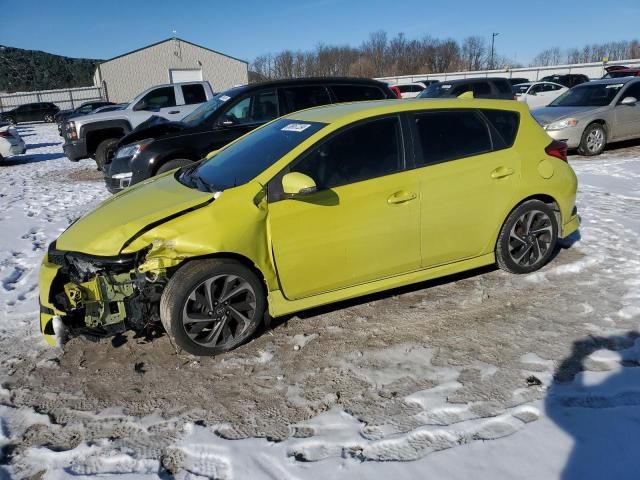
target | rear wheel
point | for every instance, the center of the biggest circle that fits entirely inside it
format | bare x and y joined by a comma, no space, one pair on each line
594,139
212,306
105,152
528,238
173,164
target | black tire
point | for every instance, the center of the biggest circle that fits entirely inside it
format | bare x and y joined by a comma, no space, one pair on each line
173,164
594,139
105,151
528,238
47,118
204,324
10,120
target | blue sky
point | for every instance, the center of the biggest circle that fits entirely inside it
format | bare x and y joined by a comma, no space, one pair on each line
249,28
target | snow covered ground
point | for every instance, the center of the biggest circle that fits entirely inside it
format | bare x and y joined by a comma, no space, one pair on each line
484,376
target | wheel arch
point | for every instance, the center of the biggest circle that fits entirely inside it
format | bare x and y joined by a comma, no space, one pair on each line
96,133
159,161
544,198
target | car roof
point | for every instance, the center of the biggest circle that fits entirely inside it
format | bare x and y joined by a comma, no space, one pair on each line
473,80
306,81
348,112
610,81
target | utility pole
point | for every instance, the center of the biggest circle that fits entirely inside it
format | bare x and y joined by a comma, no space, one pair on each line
493,39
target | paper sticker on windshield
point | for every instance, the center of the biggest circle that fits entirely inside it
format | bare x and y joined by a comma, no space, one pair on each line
615,85
296,127
224,98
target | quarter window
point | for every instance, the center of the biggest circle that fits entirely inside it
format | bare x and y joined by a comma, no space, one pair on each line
446,135
365,151
481,88
505,127
299,98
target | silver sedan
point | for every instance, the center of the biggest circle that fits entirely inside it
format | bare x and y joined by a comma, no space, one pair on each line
592,114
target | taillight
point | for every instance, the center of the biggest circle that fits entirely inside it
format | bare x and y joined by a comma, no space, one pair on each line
557,149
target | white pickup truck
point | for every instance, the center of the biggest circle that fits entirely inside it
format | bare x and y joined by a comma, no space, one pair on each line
96,135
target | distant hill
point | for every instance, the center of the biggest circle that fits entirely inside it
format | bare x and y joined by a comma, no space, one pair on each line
29,70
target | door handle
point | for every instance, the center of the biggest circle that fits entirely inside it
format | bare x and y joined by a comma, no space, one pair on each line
502,172
174,111
401,197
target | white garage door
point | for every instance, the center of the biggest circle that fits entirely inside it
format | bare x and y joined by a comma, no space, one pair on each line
177,75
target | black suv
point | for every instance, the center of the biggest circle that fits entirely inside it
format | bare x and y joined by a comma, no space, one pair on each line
498,88
31,112
568,80
84,109
166,145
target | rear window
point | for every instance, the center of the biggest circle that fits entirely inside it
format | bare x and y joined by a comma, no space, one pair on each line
357,93
505,127
193,94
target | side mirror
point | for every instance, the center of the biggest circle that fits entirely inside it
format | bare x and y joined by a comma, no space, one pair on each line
296,183
629,101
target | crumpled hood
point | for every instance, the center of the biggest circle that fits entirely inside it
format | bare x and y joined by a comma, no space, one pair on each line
546,115
107,229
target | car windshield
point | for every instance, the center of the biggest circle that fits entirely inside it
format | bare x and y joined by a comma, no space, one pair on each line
520,89
436,90
597,95
245,159
205,110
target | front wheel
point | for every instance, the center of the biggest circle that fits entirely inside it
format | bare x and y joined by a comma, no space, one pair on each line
48,118
528,238
212,306
106,149
594,139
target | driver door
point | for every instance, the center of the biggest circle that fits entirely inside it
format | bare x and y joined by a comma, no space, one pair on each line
628,116
363,222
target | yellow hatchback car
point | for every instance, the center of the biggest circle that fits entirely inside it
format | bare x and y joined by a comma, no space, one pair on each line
318,206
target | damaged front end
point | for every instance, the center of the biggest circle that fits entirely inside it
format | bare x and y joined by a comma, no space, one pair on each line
95,295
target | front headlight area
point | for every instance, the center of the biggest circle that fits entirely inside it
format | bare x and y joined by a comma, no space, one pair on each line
562,124
134,149
104,295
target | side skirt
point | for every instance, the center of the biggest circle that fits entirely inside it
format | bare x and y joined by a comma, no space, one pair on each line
278,305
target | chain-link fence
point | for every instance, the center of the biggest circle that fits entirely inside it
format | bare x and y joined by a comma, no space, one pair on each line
68,98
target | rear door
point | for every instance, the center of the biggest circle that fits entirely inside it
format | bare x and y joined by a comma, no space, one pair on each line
465,185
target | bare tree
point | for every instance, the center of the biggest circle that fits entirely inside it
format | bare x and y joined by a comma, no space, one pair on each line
473,53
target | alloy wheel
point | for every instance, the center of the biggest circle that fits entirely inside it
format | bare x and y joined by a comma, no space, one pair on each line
595,140
219,310
530,238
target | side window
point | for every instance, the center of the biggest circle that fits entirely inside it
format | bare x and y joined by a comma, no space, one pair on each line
439,135
299,98
481,88
159,98
459,90
86,108
365,151
193,93
505,127
502,86
535,89
356,93
260,107
632,91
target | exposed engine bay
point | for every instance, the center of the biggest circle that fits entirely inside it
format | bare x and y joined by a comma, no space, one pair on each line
105,295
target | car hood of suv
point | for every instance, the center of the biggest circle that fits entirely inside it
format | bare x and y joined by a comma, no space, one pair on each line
547,115
106,230
156,131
